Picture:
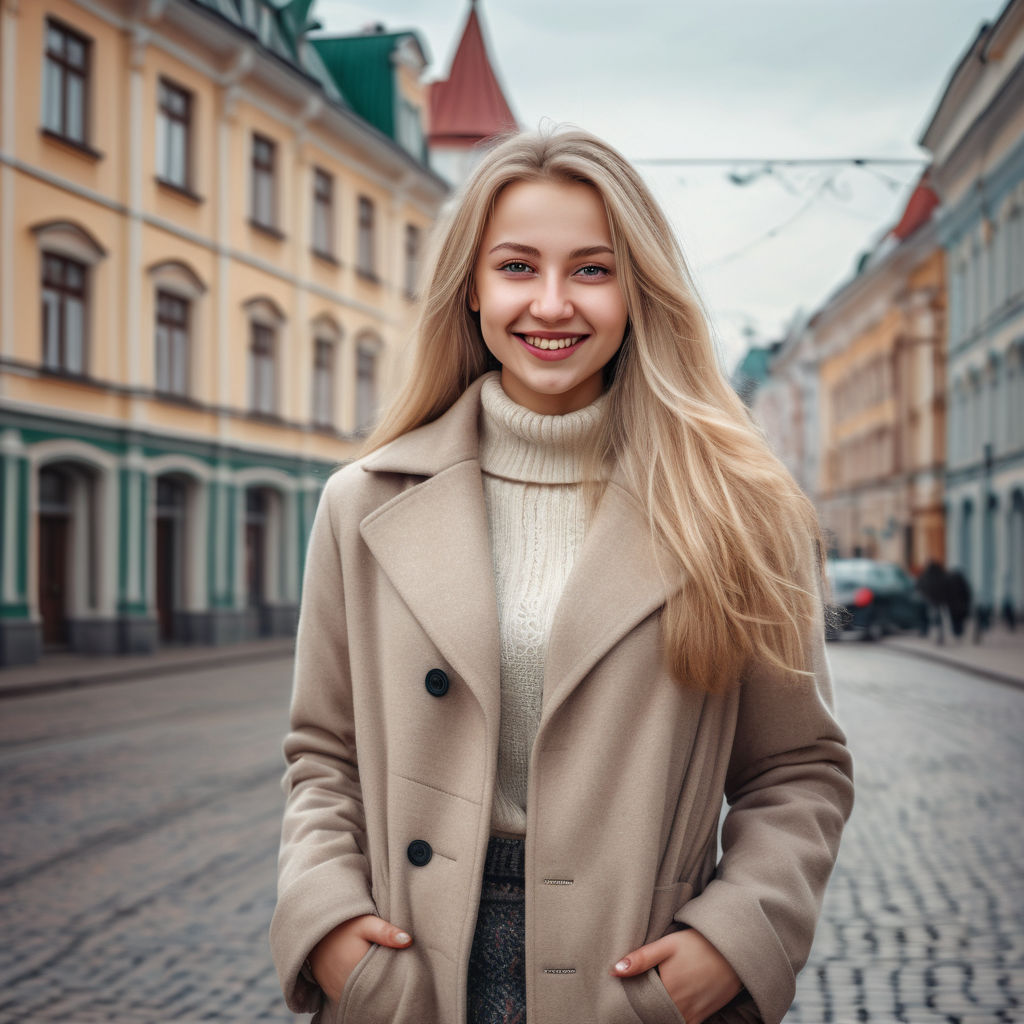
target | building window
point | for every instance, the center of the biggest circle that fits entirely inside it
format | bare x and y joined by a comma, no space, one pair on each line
412,259
174,135
323,213
172,343
365,255
1015,253
261,370
409,133
66,83
264,185
323,383
65,310
366,387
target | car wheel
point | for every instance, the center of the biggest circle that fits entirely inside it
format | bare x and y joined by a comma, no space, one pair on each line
873,631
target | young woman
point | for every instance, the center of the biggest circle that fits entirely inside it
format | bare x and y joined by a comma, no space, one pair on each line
567,602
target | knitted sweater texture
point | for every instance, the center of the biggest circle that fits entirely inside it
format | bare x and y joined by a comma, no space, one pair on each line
532,478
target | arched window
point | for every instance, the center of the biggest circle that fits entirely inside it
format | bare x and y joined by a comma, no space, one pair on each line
177,290
68,254
326,345
266,320
368,352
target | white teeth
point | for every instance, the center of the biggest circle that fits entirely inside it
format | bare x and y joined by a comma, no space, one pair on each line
551,343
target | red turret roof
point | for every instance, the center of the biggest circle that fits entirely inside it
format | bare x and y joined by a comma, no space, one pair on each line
470,107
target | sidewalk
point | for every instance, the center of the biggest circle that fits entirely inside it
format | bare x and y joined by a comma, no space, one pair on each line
999,656
67,671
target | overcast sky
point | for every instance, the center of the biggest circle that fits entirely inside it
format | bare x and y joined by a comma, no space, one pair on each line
746,79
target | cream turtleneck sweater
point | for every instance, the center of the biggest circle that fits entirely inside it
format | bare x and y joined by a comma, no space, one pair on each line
532,477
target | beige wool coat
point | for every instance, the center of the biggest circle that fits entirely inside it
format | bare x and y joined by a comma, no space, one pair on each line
388,767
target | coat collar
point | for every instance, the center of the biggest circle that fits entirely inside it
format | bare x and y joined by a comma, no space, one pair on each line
432,541
428,450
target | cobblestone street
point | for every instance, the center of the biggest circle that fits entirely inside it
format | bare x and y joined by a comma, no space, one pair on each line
924,919
140,832
137,858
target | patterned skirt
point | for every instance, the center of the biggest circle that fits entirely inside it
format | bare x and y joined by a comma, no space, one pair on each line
497,963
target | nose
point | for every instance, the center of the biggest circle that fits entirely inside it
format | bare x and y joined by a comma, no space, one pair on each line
551,303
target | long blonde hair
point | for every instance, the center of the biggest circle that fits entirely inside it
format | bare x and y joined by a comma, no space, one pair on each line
744,537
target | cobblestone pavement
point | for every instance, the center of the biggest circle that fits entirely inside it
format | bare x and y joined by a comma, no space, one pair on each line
138,850
924,918
140,825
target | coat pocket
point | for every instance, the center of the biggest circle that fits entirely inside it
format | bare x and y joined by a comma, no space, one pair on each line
647,995
332,1012
650,1001
397,986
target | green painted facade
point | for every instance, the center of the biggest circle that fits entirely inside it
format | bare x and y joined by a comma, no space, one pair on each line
118,470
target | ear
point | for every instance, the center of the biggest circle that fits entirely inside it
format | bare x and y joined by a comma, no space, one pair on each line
474,301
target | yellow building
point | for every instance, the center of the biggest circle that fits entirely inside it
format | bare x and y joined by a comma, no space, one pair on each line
207,260
880,343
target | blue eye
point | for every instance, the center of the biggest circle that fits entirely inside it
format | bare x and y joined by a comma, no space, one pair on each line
592,270
516,267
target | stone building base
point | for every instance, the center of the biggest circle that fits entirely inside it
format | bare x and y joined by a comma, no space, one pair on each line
21,642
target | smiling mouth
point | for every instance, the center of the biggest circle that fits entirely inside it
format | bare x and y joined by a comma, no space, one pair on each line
549,344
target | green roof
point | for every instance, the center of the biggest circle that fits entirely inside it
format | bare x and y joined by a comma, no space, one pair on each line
362,69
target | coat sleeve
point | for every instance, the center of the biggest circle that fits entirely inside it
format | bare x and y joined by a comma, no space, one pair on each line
323,874
790,789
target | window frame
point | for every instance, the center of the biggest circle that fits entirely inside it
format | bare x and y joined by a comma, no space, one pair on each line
367,355
164,114
263,343
263,170
65,70
184,327
366,246
413,251
325,358
64,292
323,233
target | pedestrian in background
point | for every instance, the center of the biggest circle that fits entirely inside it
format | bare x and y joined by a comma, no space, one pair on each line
958,601
567,601
932,586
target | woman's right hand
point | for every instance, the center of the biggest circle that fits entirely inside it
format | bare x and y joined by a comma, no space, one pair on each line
335,956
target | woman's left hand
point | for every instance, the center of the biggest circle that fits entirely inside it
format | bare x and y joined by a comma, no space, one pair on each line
696,976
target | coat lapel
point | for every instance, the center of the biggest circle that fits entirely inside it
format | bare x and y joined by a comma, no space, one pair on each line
432,542
620,578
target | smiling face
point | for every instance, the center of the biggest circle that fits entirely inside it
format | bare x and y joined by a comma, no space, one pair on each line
544,283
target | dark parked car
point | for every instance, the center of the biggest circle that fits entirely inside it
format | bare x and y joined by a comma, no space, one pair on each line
873,598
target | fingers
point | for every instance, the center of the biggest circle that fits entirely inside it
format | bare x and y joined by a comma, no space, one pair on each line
644,958
383,933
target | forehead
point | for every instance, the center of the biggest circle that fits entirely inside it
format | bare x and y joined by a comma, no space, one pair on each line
549,208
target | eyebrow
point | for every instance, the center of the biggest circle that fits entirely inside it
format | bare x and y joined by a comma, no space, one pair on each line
576,254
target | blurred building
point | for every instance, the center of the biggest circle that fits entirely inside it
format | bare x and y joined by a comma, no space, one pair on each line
208,251
976,137
752,371
786,404
469,108
880,355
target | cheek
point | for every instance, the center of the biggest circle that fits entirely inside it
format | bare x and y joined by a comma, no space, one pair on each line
614,314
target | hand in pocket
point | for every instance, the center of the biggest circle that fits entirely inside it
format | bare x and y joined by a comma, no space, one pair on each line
335,956
697,977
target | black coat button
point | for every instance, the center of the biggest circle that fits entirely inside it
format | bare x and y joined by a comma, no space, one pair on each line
419,852
436,683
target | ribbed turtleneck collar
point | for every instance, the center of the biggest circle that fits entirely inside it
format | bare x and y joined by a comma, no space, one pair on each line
519,444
